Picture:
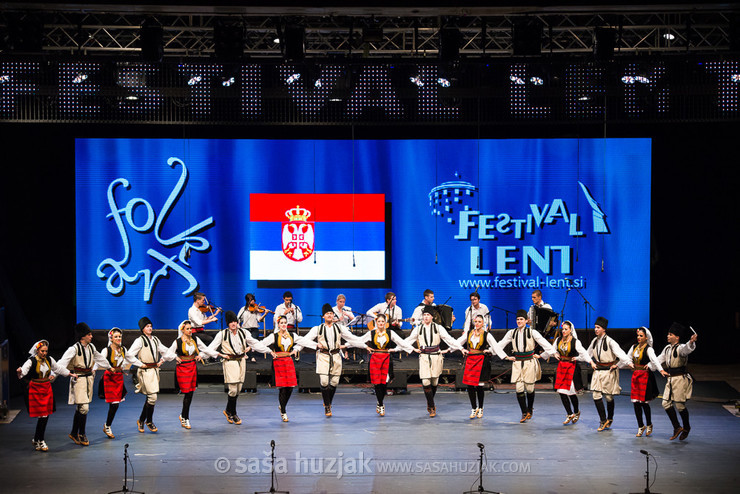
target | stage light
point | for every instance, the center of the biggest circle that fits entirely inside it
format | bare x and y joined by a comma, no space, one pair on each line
4,78
131,97
585,97
276,41
628,79
227,81
537,81
317,84
151,37
642,79
292,78
417,80
527,37
733,77
605,39
443,82
79,78
516,80
194,80
669,36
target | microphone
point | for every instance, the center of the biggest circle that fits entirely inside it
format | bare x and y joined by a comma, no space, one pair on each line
644,452
480,445
272,444
125,445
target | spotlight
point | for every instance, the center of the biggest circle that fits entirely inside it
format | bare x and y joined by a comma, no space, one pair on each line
733,77
317,84
416,79
292,78
227,81
628,79
79,78
443,82
193,80
669,36
537,81
516,80
585,97
4,78
131,97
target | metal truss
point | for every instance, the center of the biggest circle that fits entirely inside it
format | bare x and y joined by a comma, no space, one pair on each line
191,35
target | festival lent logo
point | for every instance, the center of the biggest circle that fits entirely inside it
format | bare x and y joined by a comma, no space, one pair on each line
298,234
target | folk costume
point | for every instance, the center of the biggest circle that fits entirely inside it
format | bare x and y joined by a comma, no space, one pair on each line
679,384
477,367
151,352
643,386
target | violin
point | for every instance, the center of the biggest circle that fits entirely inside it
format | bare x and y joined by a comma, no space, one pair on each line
208,307
259,309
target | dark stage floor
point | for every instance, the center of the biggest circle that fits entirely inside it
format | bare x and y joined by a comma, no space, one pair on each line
357,451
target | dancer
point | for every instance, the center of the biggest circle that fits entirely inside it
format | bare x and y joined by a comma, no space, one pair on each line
41,371
150,350
283,345
478,346
81,358
607,357
381,342
568,382
680,384
643,387
113,389
187,350
525,366
233,344
326,339
428,336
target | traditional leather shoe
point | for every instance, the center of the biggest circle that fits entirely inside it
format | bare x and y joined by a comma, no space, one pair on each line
382,411
684,433
523,419
140,425
284,416
75,438
83,440
480,413
529,415
473,413
602,426
608,423
640,431
576,416
35,444
151,426
676,432
568,419
41,446
377,408
236,419
649,430
432,411
184,422
228,416
108,431
327,410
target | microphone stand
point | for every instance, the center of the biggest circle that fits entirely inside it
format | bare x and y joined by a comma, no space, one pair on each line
273,475
507,314
647,473
562,311
125,489
480,475
586,305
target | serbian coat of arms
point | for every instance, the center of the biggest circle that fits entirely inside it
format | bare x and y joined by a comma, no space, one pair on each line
298,234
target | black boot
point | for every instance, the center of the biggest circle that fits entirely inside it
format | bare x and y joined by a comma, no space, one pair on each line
610,409
530,403
686,425
522,399
600,408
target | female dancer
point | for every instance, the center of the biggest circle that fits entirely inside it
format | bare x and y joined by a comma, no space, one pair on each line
567,349
478,346
113,387
380,342
644,387
283,345
41,371
186,350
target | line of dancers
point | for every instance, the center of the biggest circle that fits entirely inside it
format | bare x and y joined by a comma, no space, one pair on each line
330,338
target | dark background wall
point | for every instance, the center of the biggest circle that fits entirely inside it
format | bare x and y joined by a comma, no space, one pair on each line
695,190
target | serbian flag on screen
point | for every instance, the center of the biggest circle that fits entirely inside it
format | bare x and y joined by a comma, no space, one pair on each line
317,236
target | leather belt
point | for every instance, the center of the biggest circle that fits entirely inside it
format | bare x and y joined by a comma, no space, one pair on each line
150,366
476,352
429,349
380,350
332,352
640,367
676,371
188,358
44,380
565,358
282,354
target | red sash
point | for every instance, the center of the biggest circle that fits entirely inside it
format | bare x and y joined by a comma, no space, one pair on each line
564,375
40,399
284,372
473,369
187,376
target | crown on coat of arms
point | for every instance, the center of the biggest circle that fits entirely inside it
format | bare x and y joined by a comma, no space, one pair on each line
298,214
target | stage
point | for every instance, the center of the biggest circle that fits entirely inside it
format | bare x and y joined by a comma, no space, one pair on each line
358,451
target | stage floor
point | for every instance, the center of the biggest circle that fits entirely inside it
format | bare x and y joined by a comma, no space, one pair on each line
357,451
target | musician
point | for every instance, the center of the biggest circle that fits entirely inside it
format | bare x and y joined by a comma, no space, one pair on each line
532,314
568,382
292,312
427,301
380,342
476,309
150,350
478,346
113,388
233,344
428,336
283,346
326,339
251,319
525,366
607,357
81,358
390,308
41,371
342,313
198,318
643,387
679,384
187,350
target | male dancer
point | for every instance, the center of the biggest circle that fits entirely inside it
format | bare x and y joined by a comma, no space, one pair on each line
607,357
428,336
326,339
150,350
525,366
679,386
80,359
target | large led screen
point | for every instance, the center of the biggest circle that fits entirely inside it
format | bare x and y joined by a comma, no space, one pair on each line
159,219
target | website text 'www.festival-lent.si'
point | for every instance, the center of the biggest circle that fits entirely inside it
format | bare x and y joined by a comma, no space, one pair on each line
342,465
518,282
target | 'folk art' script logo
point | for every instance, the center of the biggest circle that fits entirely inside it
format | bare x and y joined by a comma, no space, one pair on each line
115,270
